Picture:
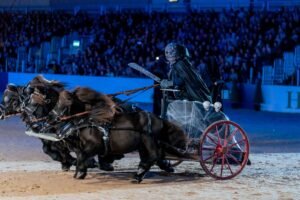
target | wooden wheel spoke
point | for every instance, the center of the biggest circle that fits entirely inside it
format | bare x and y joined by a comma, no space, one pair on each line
218,135
228,165
233,134
225,136
212,139
234,144
209,158
221,173
233,158
209,148
214,163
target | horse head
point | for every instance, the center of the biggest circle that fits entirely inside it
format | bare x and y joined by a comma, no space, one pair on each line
13,98
64,105
44,95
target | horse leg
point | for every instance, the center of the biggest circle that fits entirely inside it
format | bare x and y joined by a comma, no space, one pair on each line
91,163
67,160
105,163
148,156
81,169
164,164
55,155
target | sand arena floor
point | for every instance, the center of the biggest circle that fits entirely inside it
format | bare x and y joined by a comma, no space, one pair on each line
27,173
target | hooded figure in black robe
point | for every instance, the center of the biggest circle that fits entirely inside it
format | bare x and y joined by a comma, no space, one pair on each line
183,76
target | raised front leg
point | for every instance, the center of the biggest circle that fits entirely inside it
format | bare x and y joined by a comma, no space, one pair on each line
58,153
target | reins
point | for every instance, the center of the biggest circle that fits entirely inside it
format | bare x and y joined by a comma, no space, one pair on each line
11,115
125,92
130,92
73,116
62,118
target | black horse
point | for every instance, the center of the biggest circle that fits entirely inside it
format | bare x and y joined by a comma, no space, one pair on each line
151,136
14,99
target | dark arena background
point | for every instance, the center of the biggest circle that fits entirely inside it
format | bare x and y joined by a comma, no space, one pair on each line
249,50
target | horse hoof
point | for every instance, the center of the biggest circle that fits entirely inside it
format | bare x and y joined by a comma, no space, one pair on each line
169,170
134,181
81,175
166,166
75,175
249,162
137,179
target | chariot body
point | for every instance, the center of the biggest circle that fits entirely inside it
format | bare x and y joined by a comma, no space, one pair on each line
220,145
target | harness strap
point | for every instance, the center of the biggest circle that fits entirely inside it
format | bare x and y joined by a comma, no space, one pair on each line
105,138
102,128
74,116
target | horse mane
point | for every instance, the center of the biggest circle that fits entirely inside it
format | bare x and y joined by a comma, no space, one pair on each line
102,107
41,81
92,97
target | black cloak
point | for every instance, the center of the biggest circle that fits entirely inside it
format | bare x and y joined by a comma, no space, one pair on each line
186,79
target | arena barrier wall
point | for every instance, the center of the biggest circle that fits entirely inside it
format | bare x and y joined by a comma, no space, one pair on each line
274,98
3,81
281,98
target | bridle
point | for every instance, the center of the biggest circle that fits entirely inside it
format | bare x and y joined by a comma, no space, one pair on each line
13,100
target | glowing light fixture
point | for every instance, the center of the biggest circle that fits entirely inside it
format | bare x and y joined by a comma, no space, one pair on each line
76,43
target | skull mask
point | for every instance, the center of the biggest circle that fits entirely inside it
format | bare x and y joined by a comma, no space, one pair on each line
170,53
174,52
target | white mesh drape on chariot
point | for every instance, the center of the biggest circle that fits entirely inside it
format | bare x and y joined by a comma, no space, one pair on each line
192,116
222,145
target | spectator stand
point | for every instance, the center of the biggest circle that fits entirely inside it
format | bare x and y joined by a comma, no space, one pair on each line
268,75
297,63
278,72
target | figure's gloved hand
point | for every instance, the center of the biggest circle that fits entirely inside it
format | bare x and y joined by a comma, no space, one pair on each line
166,83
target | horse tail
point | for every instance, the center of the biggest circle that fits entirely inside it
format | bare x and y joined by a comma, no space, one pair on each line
177,152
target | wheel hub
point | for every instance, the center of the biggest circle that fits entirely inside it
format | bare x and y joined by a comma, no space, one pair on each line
220,150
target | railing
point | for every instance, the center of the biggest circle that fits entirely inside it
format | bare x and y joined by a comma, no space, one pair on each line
167,6
288,67
275,4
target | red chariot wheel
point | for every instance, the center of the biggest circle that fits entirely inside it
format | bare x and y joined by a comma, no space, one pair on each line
224,149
